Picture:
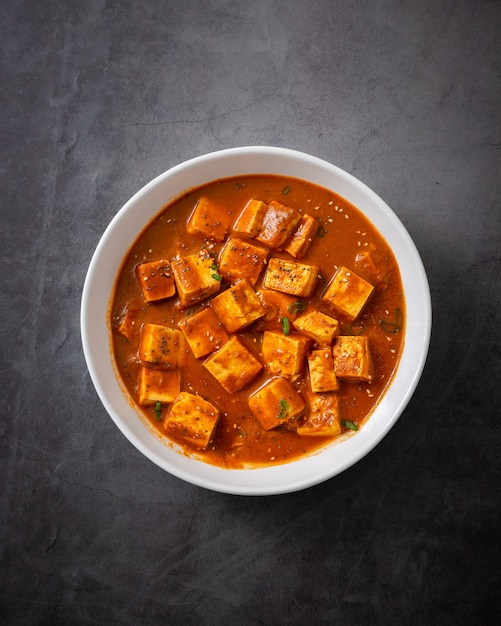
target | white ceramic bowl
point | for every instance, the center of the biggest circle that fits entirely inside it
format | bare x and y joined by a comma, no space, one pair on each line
138,212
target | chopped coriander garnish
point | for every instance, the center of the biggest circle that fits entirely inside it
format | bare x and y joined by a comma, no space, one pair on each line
296,307
321,232
349,424
283,409
158,411
285,325
286,190
215,275
393,327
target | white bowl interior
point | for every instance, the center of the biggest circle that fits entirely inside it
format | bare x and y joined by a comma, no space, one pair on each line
138,212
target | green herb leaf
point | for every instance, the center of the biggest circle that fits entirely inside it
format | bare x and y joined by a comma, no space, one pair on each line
285,325
286,190
393,327
283,409
217,277
213,266
296,307
356,328
158,411
321,232
349,425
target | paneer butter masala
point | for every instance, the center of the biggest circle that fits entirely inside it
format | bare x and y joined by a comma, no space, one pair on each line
256,319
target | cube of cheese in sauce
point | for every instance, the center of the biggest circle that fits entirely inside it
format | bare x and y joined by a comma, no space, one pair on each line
158,385
193,419
204,332
248,223
352,359
233,366
324,418
156,280
321,368
347,293
241,258
290,277
276,403
279,222
209,220
276,306
285,355
300,243
162,345
320,327
196,279
238,306
127,323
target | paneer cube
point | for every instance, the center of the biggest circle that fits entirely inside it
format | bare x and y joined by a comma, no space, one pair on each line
209,220
156,280
300,243
204,332
324,418
238,306
249,222
352,359
320,327
290,277
321,367
196,278
233,366
347,293
371,263
193,419
127,324
241,258
279,222
158,385
162,345
276,306
285,355
276,403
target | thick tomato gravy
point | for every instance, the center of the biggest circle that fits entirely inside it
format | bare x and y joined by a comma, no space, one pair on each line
344,238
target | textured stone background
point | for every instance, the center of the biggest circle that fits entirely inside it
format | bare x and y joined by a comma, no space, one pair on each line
99,97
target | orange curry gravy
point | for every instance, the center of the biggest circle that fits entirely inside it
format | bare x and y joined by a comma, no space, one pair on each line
345,238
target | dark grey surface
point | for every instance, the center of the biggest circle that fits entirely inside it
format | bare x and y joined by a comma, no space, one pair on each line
99,97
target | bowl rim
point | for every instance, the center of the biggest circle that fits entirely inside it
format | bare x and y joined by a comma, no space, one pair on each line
276,479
